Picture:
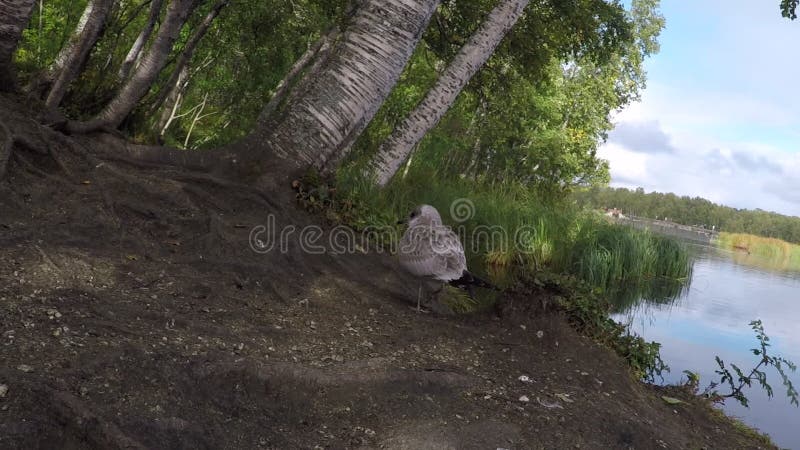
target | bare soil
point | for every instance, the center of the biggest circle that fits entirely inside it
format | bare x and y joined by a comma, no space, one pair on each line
134,314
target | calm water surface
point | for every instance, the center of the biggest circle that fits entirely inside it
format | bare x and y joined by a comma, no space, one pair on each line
711,317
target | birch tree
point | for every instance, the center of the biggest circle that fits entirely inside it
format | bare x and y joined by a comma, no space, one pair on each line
14,17
397,148
143,77
188,51
73,56
141,39
321,123
171,102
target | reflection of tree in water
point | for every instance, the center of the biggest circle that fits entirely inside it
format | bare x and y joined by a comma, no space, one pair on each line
777,263
626,299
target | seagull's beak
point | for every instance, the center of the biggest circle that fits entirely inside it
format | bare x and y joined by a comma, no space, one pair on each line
402,221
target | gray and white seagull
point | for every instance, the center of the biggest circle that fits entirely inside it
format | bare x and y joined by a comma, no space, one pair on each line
432,251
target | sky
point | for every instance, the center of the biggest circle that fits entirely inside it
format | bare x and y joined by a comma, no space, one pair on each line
720,117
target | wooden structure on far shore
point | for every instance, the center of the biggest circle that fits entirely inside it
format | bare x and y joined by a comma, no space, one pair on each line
697,234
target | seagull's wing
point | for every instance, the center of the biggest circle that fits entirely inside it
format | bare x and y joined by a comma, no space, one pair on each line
432,251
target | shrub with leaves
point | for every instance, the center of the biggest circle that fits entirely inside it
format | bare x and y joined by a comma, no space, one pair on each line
735,379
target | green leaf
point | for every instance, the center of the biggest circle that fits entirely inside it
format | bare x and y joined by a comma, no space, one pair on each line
671,400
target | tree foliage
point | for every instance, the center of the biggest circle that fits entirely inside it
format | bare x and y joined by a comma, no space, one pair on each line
734,379
535,113
789,9
539,109
693,211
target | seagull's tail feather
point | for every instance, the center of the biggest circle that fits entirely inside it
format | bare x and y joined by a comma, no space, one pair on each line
469,282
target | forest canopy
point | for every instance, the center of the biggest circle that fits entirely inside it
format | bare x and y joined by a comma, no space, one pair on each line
693,211
534,114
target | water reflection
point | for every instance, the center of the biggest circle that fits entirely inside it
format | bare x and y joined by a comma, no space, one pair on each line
658,292
710,317
778,264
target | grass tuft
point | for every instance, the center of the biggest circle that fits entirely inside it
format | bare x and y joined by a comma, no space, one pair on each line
505,227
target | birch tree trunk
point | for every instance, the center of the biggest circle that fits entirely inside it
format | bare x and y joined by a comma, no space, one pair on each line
141,39
14,17
316,53
72,58
171,102
143,77
345,93
397,148
188,50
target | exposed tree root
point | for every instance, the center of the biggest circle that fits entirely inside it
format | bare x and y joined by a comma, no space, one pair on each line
205,197
32,168
88,425
37,140
6,143
370,371
253,193
147,156
44,146
167,186
47,259
211,240
28,144
95,125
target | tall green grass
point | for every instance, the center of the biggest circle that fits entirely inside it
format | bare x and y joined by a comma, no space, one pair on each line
608,255
557,237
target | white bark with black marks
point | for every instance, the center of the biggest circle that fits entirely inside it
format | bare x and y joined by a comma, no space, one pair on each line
188,50
344,95
138,45
72,58
472,56
171,104
143,77
14,17
316,54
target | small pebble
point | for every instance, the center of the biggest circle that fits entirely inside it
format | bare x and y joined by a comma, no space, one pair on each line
25,368
524,399
3,390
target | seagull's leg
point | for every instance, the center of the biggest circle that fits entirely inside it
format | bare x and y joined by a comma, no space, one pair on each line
433,296
419,296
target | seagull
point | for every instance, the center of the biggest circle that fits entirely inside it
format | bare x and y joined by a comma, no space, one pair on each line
431,250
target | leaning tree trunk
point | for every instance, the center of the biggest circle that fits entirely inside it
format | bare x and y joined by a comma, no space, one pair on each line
172,101
188,51
143,77
308,62
141,39
336,105
72,58
396,149
14,17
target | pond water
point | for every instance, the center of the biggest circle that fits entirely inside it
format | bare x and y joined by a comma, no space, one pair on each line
711,317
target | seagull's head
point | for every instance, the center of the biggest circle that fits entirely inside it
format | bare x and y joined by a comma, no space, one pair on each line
423,215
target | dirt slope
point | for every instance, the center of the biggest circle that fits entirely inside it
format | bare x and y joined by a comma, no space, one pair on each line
133,314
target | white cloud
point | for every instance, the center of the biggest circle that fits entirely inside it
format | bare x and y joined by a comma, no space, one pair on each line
695,107
742,175
719,117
